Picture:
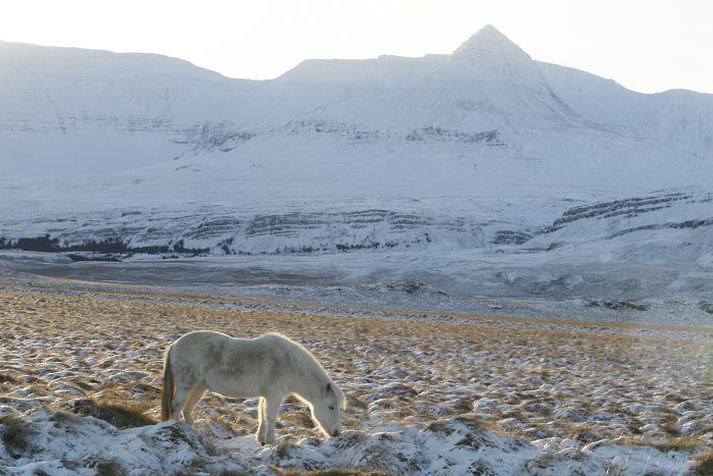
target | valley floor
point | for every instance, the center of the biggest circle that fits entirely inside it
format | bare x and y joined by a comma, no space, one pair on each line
455,394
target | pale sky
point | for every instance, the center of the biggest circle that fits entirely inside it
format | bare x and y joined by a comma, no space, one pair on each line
646,45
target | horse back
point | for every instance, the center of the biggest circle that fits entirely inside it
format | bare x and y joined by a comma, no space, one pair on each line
226,365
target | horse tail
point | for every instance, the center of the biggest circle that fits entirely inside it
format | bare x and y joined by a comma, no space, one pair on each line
168,386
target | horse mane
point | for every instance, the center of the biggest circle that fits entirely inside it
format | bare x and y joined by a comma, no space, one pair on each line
323,372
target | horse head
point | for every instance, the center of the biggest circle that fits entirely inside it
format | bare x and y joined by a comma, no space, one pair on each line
327,409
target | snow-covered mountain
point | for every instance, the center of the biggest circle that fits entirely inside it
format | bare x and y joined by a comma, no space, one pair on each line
484,148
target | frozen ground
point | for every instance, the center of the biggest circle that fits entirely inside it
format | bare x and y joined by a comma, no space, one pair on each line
525,285
453,395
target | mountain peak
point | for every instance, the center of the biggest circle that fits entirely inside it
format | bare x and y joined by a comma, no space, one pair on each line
489,44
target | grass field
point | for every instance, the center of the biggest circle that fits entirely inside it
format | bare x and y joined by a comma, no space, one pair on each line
100,353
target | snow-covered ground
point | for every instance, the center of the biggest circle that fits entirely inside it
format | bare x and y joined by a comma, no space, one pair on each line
64,444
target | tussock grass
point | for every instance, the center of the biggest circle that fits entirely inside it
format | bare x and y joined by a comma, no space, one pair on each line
355,400
703,464
149,391
104,466
232,472
16,434
8,378
672,397
328,472
582,432
120,414
300,417
607,384
36,389
684,443
345,472
64,418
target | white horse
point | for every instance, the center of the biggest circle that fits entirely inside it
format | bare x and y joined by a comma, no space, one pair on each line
270,366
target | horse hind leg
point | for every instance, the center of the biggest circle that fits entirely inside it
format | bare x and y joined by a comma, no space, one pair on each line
193,398
179,399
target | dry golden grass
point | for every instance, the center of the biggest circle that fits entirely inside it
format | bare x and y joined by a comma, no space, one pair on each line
684,443
152,292
107,349
703,463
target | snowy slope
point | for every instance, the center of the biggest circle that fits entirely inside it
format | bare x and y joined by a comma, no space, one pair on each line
67,111
679,116
486,84
484,148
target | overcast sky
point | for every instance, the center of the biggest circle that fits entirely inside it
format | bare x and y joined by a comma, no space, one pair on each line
646,45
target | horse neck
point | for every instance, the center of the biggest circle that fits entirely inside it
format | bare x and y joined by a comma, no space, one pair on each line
313,378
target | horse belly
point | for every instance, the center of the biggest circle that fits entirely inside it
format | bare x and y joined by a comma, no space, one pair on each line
243,385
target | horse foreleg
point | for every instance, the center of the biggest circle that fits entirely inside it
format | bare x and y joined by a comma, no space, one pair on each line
261,421
267,413
193,398
273,405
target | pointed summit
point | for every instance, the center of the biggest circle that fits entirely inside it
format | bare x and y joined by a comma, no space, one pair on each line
489,45
489,56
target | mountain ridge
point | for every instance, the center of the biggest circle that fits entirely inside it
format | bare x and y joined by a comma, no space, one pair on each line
495,140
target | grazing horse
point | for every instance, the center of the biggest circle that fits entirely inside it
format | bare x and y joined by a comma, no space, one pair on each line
270,366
